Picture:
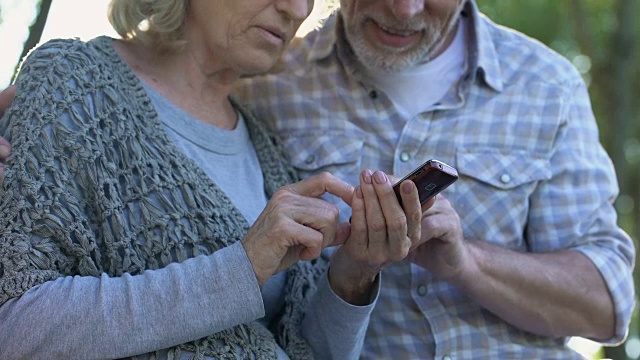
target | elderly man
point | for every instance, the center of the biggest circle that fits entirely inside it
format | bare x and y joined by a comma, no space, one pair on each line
523,251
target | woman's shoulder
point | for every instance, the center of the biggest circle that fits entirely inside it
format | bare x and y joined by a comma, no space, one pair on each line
57,57
57,48
67,82
60,45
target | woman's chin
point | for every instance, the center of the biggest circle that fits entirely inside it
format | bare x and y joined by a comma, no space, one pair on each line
259,67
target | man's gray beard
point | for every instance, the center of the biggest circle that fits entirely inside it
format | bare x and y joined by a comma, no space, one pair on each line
390,61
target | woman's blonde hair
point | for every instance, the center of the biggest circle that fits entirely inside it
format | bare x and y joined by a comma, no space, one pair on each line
155,23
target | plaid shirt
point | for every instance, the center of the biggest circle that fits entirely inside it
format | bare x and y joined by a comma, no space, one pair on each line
533,177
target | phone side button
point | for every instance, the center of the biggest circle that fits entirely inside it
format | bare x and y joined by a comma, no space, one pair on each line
422,290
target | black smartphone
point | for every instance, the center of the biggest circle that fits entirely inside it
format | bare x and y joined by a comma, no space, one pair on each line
430,178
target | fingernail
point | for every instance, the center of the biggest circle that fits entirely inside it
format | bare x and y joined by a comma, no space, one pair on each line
407,187
359,192
4,151
380,177
366,176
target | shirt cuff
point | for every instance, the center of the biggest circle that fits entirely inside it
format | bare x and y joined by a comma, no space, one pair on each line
617,274
243,284
335,328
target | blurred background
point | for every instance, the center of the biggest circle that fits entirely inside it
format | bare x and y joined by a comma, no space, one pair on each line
600,37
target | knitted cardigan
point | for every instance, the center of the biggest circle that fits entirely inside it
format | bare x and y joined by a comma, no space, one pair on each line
78,193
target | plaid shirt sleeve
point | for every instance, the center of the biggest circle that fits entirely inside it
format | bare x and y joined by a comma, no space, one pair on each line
574,209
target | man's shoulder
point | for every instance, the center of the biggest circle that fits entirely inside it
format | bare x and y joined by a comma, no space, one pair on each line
316,45
523,57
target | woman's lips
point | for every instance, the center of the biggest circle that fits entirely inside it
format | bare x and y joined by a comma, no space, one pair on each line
273,36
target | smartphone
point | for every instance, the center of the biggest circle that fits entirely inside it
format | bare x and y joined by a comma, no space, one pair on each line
430,178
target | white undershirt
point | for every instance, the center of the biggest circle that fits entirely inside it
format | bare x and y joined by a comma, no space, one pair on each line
417,88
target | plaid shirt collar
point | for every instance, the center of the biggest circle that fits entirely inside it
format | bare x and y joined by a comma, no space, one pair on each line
482,52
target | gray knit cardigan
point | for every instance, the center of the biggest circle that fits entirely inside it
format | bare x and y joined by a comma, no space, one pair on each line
71,189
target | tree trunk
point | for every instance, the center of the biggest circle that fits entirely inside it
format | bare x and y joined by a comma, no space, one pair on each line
35,31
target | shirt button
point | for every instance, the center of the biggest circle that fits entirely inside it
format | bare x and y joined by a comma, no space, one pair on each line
505,178
422,290
310,159
446,357
404,156
373,94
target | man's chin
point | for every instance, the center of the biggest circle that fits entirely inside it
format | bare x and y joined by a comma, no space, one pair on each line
386,63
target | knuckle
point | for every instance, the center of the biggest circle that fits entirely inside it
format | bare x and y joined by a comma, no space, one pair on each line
377,260
327,212
333,211
279,228
281,194
378,226
400,253
414,216
315,251
325,176
405,250
428,222
276,208
397,224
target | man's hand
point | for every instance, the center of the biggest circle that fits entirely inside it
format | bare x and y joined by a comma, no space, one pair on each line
442,249
6,98
296,225
381,233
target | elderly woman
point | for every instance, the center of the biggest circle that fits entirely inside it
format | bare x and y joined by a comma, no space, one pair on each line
127,201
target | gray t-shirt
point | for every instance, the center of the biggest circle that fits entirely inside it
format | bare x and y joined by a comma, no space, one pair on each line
217,150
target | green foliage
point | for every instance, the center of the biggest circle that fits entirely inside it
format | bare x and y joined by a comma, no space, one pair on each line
528,16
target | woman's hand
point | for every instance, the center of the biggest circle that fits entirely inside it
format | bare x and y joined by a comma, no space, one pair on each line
296,225
381,232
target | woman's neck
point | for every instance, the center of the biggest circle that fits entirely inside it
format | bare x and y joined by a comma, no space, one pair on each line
187,78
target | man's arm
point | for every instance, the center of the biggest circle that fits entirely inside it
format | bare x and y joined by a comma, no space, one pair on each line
577,278
557,294
554,294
